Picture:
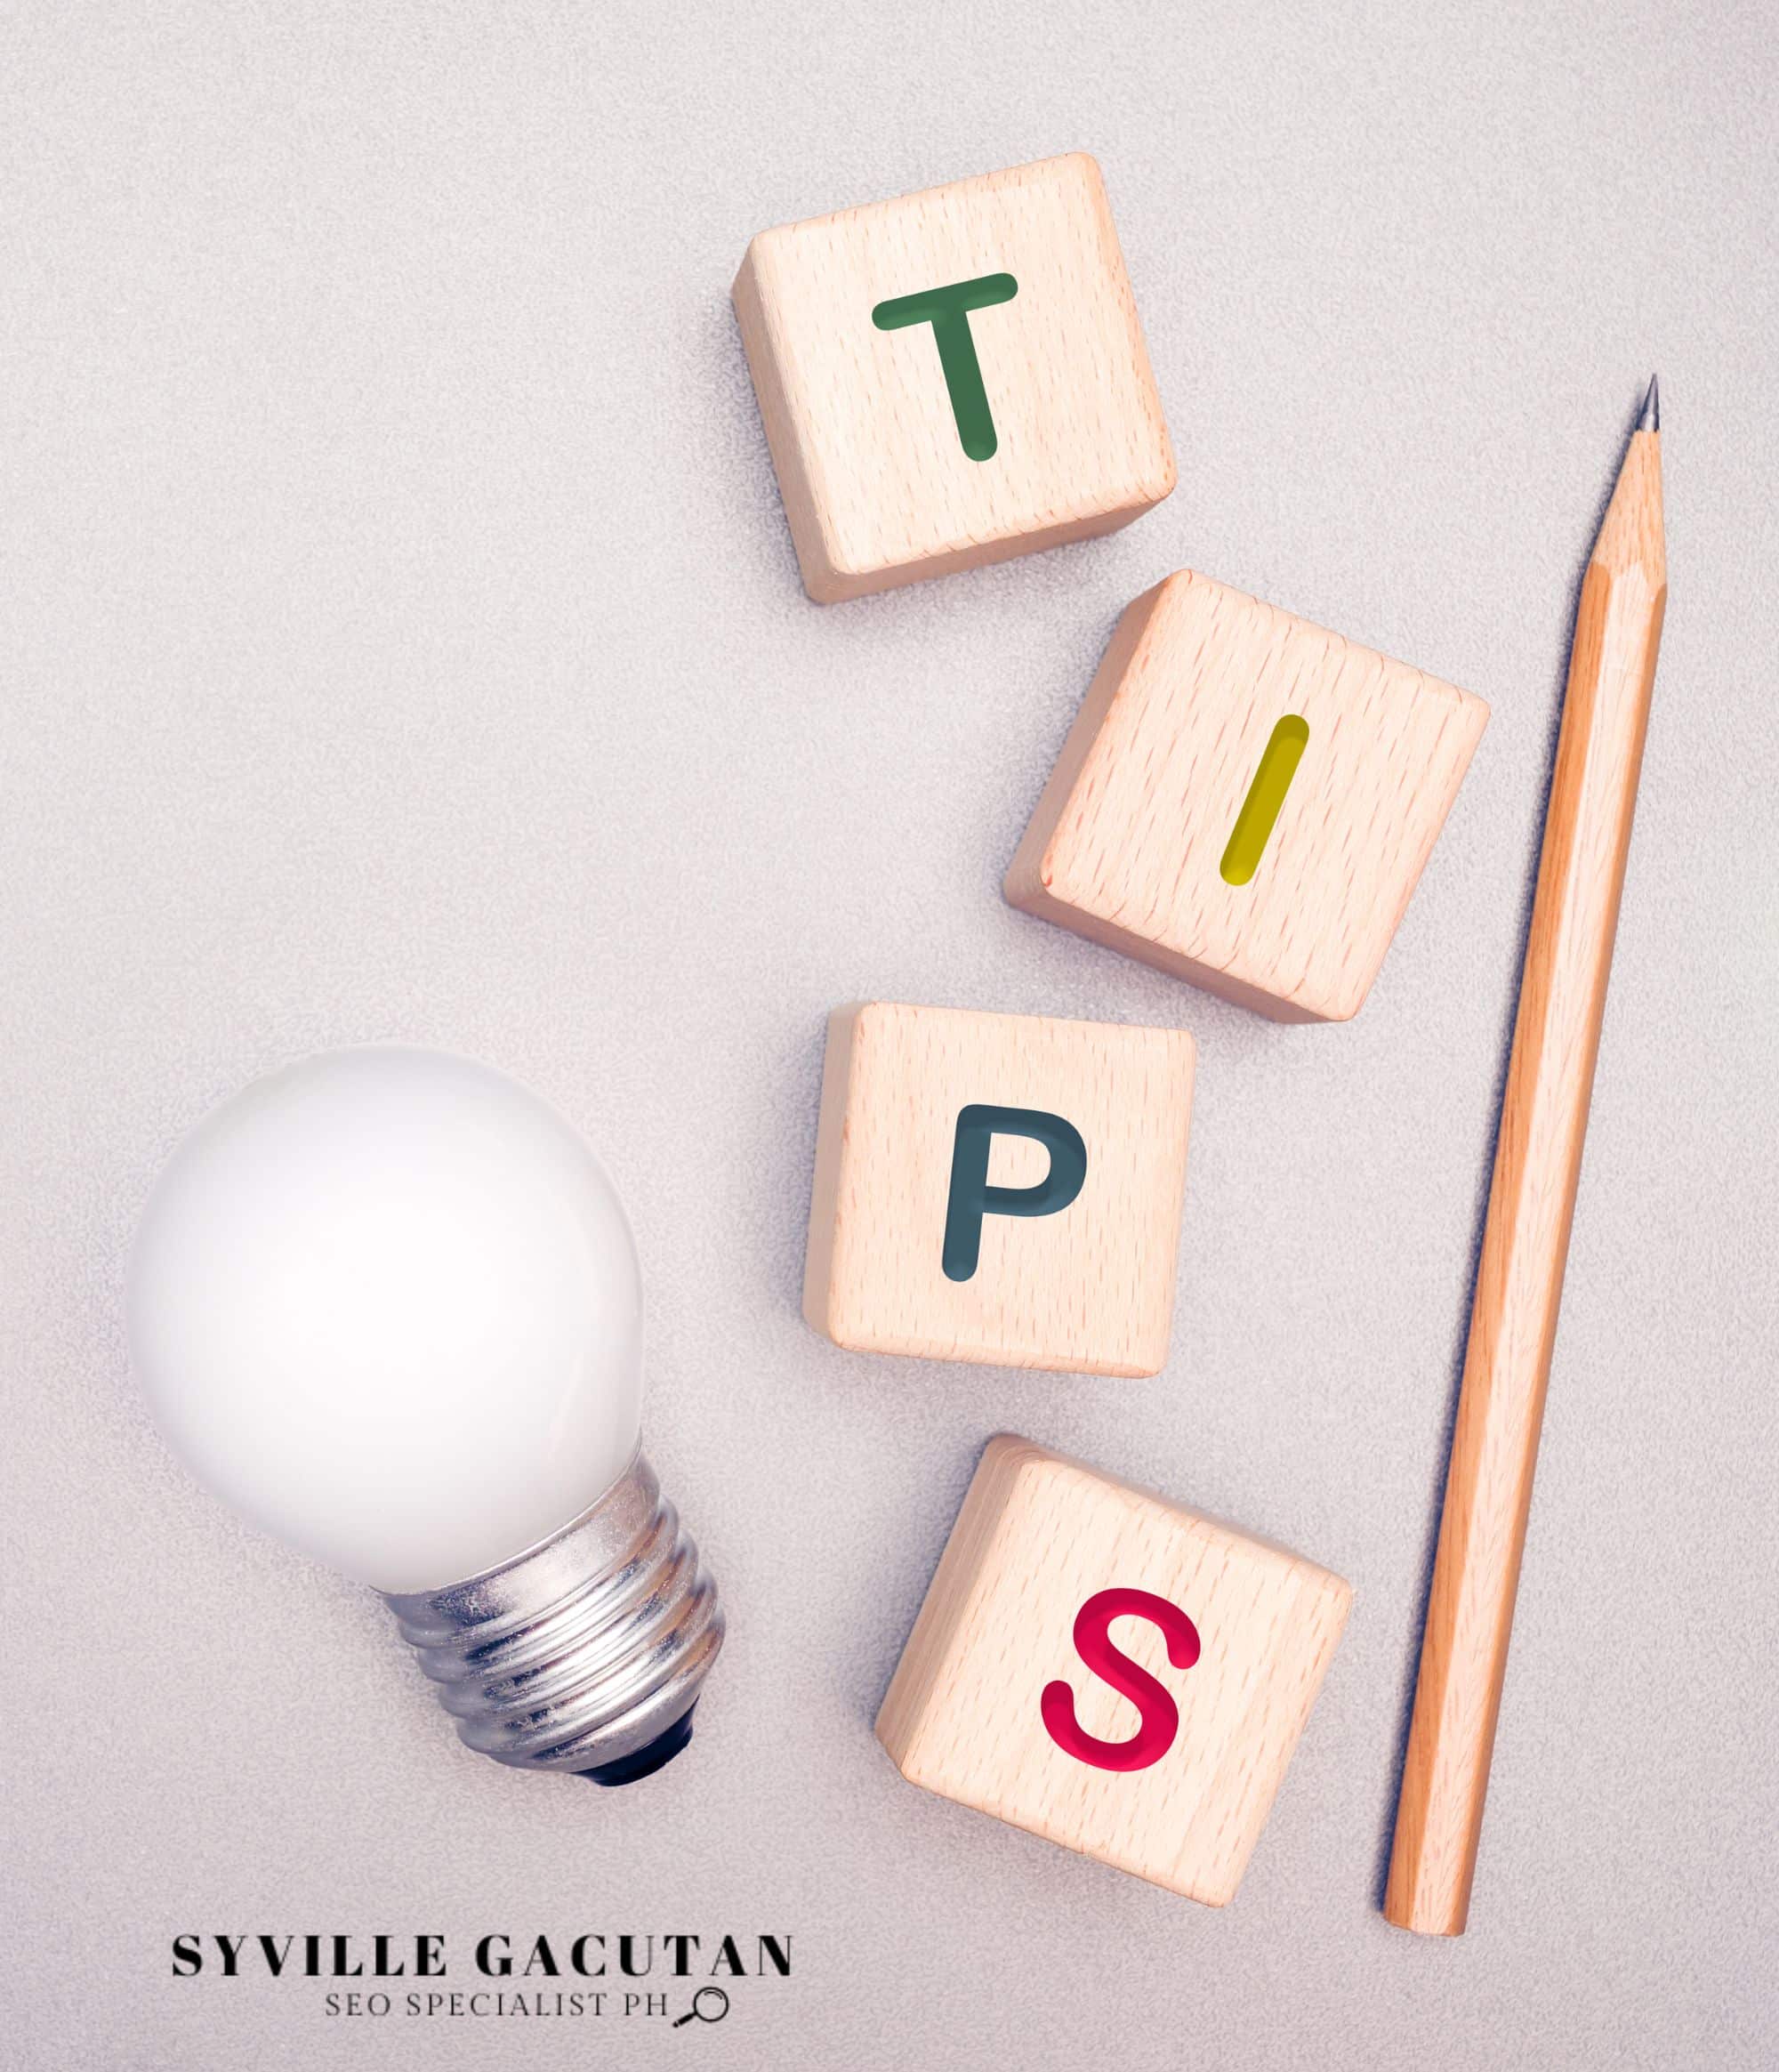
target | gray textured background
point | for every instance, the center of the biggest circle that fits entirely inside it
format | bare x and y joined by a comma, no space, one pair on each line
401,638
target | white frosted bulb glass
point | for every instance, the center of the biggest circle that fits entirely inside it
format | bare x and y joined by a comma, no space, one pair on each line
386,1303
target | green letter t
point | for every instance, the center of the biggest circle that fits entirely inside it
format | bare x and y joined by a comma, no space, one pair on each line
947,310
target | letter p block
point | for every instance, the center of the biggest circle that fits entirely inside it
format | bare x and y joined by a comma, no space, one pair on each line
997,1188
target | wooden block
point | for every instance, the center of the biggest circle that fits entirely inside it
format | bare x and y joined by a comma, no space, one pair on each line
999,1188
914,436
1246,801
1157,1745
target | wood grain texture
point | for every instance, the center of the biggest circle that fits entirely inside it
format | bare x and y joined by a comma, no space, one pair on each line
1126,843
1531,1199
1037,1537
1089,1289
876,486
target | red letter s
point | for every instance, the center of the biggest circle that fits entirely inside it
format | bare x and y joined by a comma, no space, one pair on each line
1160,1716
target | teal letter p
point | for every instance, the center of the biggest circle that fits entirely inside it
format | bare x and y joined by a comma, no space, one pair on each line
972,1197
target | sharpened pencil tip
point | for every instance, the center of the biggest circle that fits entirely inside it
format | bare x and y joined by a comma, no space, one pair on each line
1649,418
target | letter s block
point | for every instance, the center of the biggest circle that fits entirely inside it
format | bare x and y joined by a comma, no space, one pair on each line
1111,1672
953,377
999,1188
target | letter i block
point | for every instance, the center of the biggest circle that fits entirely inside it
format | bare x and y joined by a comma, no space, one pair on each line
1100,1667
952,378
999,1188
1246,801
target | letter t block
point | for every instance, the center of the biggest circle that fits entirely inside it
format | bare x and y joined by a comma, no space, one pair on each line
1111,1672
999,1188
954,377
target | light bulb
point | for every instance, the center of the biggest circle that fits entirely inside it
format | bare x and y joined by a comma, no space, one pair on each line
386,1303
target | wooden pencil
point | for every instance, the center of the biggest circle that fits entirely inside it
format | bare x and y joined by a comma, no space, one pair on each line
1531,1199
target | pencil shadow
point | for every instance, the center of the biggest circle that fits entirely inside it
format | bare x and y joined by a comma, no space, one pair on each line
1479,1211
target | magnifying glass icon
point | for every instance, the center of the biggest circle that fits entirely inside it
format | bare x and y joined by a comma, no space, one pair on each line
697,2011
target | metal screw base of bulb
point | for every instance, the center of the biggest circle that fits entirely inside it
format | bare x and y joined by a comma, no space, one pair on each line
584,1654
